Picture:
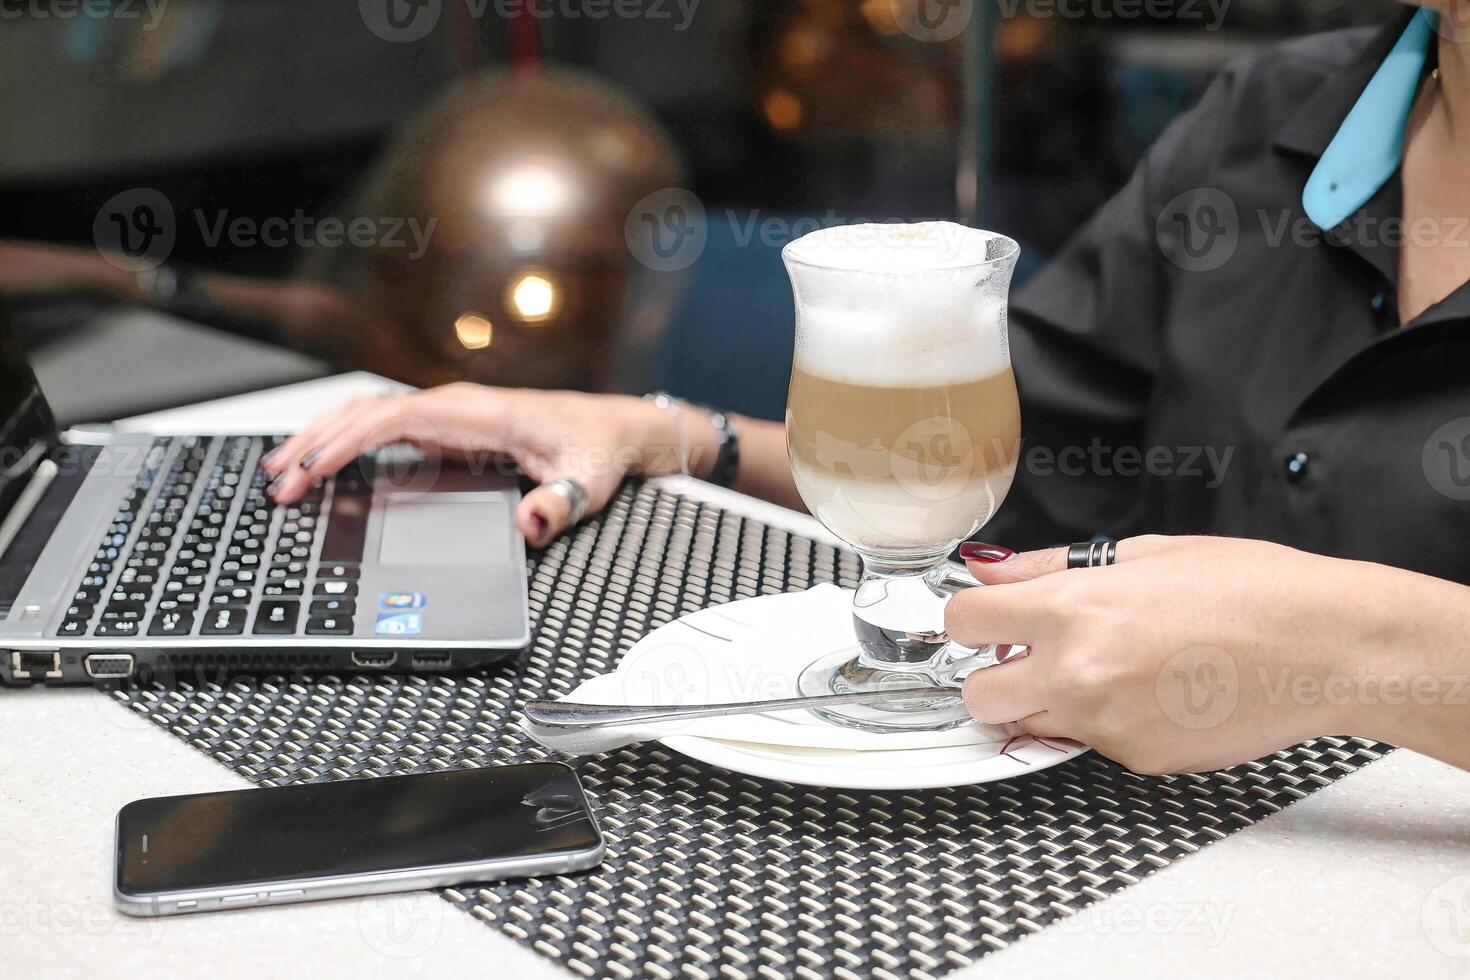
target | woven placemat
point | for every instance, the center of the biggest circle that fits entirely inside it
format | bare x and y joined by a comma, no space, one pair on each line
710,873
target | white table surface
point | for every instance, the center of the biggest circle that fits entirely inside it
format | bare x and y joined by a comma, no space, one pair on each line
1369,877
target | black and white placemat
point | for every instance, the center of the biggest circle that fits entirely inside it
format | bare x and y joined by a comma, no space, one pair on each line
714,874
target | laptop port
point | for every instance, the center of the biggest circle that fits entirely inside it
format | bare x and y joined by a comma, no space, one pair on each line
374,658
109,666
432,661
35,664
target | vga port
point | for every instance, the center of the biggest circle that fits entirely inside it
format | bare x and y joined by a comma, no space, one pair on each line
109,666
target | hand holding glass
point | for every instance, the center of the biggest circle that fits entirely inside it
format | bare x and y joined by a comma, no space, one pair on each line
903,430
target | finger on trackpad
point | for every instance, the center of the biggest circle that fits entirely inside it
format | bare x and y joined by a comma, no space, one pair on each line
431,530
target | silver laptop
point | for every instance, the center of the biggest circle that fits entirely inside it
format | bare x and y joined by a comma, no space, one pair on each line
156,558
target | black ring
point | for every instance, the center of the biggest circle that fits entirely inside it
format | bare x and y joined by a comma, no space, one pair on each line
1092,554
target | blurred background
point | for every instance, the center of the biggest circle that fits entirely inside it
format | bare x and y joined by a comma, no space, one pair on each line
200,197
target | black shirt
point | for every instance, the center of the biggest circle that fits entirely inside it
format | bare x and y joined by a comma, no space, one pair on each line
1201,359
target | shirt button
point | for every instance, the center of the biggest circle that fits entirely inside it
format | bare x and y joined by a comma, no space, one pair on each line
1296,466
1377,302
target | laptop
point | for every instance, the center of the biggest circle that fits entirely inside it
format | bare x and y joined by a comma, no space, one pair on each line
150,558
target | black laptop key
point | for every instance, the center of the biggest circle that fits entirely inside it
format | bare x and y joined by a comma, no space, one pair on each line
116,627
171,622
333,607
72,626
123,610
224,621
329,626
277,616
289,586
337,587
339,570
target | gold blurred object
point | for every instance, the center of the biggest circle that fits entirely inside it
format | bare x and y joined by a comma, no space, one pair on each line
474,331
783,110
533,297
528,179
835,69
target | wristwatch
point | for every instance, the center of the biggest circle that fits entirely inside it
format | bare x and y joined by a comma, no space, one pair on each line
727,440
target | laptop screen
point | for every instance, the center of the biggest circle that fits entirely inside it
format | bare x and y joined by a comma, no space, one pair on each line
27,429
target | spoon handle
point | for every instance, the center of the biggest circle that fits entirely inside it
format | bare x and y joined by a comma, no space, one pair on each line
569,715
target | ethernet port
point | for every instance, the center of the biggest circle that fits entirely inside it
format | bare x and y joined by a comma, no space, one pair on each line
35,664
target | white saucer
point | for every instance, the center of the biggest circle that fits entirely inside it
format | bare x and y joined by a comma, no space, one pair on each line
714,652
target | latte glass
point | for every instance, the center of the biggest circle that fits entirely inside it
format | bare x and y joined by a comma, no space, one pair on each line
903,430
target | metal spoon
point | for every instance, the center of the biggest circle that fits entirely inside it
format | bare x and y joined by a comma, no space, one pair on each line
580,728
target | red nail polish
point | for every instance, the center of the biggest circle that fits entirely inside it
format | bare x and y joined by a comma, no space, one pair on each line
988,554
541,526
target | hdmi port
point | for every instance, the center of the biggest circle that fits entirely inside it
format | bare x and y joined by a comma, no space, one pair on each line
372,658
104,666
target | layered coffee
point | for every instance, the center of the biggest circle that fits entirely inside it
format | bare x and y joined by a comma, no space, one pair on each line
903,425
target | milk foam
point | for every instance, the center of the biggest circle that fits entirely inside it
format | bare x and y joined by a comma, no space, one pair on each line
902,305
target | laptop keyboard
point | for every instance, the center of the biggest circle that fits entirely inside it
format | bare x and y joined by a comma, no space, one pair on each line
198,549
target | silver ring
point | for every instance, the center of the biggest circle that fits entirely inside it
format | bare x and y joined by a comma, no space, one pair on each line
574,493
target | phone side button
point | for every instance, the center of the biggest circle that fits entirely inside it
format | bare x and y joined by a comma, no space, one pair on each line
239,899
185,906
289,896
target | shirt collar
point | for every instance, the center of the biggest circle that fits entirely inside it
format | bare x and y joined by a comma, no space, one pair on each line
1315,122
1369,143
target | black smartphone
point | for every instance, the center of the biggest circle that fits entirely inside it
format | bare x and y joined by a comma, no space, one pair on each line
352,837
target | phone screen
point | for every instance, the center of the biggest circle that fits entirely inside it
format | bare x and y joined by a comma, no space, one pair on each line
348,827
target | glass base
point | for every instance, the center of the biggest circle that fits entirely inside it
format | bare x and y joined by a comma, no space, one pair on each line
843,673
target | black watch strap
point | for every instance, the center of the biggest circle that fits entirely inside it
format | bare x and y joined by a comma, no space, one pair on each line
727,457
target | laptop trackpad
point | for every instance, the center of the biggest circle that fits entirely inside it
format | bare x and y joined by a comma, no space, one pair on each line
445,529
